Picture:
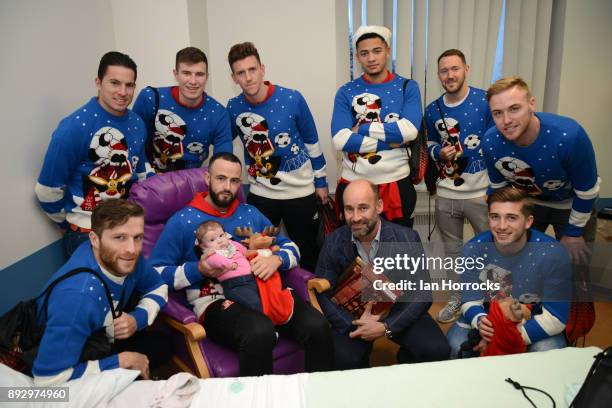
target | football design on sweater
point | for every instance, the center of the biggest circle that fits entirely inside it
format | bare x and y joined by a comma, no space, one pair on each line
108,150
518,173
472,142
282,140
170,131
366,107
254,130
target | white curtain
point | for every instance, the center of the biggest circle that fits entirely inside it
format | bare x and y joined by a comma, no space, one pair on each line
526,39
425,28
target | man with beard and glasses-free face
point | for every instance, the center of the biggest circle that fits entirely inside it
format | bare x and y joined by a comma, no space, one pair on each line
548,156
187,121
456,123
374,118
95,153
527,265
78,306
285,163
251,334
369,236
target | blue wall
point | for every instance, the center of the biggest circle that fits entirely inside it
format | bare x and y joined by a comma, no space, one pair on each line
23,279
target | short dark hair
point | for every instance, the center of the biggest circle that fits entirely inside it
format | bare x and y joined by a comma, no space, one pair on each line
230,157
190,55
242,51
116,58
511,195
112,213
367,36
451,52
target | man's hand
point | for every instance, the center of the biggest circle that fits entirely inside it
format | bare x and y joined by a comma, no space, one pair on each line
481,346
264,266
124,326
577,248
135,361
207,270
485,328
322,194
369,327
448,152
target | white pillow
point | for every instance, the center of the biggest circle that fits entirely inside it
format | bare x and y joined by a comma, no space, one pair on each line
12,378
93,390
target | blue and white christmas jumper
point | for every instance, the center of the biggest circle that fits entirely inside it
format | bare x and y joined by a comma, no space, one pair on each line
78,307
542,268
389,115
175,259
180,134
281,144
557,170
468,120
93,156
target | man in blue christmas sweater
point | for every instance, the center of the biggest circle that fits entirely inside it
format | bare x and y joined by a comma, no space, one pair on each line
78,306
183,121
519,263
374,118
454,142
285,163
251,334
95,153
548,156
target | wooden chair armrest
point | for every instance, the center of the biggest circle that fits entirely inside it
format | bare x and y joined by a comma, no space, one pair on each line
317,285
193,331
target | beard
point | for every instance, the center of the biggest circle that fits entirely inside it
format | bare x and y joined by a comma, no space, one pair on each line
221,202
111,263
369,225
458,83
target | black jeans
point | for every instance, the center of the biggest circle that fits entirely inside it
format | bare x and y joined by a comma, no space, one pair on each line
408,198
158,347
545,216
301,222
252,335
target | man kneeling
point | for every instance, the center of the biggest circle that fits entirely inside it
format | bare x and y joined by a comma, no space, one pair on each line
78,306
519,264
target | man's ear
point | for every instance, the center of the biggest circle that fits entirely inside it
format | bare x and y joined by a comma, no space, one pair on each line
379,206
97,81
532,103
529,222
94,240
207,178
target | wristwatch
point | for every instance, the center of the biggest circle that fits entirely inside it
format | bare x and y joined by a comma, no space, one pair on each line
388,333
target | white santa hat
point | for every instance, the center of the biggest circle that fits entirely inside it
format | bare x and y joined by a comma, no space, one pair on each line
384,32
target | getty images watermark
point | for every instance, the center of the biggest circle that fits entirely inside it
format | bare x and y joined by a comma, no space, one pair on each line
410,264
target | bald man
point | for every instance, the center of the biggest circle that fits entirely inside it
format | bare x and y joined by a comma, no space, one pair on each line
408,324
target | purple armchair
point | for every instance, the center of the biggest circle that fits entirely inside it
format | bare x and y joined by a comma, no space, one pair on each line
161,196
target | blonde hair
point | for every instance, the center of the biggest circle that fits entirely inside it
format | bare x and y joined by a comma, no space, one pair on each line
506,83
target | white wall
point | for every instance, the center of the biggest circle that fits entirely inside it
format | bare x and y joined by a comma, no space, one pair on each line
151,32
50,55
49,61
298,50
585,91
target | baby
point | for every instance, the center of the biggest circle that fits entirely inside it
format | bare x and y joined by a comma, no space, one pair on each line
238,282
